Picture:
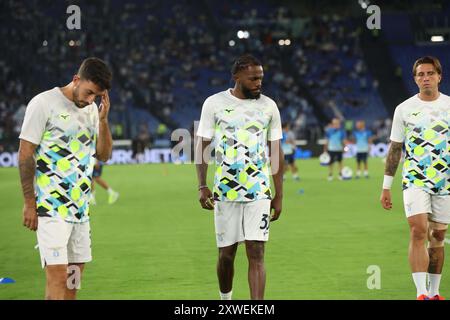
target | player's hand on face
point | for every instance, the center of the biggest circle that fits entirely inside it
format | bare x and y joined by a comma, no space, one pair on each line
385,199
206,199
30,218
104,107
275,204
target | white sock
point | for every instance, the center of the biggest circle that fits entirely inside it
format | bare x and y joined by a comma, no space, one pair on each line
110,190
358,173
366,173
420,280
226,296
434,280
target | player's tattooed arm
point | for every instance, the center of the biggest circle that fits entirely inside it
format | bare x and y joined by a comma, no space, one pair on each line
393,158
27,169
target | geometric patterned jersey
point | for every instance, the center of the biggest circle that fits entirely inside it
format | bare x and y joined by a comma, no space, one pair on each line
423,126
65,136
240,129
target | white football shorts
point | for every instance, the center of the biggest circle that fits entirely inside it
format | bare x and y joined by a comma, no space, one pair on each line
61,242
418,201
239,221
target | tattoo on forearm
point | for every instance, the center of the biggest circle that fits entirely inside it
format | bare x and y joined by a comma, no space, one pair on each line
27,169
393,158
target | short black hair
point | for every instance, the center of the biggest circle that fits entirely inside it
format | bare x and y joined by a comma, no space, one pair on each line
95,70
243,62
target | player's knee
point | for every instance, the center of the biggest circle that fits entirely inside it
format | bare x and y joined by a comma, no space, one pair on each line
255,257
418,233
57,282
256,253
226,257
438,237
56,275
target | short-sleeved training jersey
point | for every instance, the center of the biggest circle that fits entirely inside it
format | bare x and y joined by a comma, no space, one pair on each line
241,129
423,127
66,137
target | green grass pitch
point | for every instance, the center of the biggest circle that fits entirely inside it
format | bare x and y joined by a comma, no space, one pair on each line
157,243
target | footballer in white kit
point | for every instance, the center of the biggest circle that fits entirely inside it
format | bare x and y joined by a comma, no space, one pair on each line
421,127
244,126
63,133
240,129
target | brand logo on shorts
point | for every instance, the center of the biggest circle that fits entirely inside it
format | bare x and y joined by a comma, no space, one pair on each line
408,206
55,253
220,236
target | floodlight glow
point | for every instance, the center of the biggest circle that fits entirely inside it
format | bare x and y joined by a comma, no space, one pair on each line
437,38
